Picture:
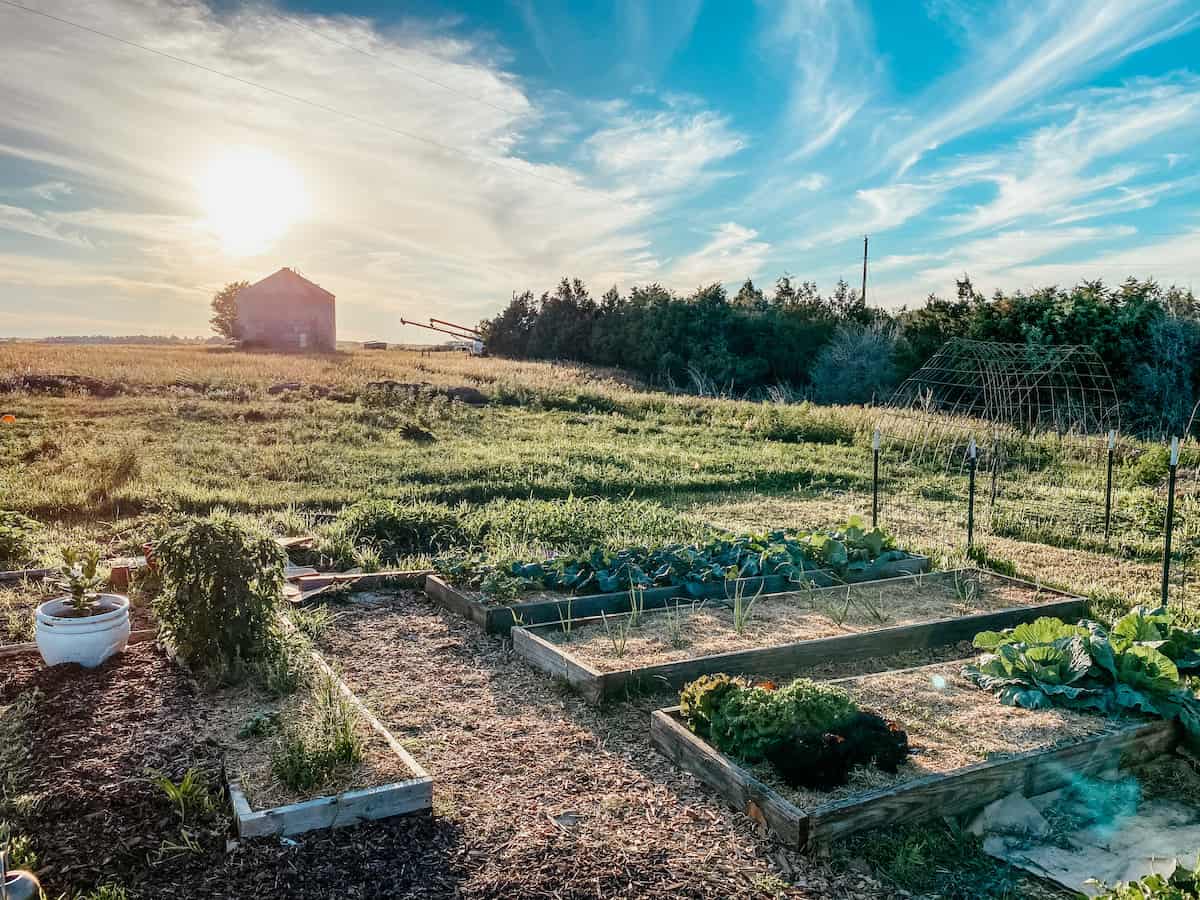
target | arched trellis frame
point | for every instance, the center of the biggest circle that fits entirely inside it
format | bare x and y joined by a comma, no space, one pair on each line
1040,417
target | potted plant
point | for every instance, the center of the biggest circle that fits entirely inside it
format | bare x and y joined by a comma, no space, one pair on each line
85,626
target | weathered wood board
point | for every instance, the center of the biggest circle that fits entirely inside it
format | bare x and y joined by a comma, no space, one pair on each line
497,619
348,808
783,659
949,793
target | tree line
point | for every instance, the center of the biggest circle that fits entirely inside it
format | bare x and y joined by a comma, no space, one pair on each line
836,349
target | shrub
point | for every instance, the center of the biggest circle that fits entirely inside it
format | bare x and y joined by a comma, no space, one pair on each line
221,586
16,539
858,365
401,529
1150,469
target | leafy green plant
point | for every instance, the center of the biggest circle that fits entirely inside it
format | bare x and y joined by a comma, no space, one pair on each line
693,567
190,795
17,534
79,577
221,587
259,725
1125,668
1182,884
747,720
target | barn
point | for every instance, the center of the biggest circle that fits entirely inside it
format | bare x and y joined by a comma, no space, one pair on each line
286,311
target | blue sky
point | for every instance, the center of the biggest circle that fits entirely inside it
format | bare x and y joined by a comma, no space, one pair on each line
433,161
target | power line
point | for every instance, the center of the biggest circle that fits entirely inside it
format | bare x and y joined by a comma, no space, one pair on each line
297,99
414,72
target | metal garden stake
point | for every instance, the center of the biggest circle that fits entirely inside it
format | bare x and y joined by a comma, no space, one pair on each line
1112,443
972,453
1171,469
875,480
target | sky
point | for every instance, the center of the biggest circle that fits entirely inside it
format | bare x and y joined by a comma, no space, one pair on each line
429,159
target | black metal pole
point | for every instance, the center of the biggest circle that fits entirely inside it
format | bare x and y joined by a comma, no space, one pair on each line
1108,487
971,498
875,480
1174,465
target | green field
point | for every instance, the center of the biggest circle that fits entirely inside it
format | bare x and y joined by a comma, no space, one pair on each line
190,429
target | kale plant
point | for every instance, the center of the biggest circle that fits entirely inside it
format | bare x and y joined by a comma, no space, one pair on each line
1134,666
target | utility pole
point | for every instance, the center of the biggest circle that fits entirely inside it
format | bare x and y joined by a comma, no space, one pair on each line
864,287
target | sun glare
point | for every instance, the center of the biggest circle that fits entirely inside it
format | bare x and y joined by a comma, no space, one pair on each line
250,198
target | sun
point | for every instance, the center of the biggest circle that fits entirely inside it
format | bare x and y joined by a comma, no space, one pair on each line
251,197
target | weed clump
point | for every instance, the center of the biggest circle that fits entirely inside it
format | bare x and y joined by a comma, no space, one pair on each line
17,533
400,529
307,757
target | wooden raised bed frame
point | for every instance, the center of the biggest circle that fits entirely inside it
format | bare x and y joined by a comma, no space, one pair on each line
948,793
783,659
497,619
349,808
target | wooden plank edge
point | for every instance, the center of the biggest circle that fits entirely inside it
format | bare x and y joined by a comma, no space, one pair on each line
335,810
738,787
970,787
1039,771
557,663
139,636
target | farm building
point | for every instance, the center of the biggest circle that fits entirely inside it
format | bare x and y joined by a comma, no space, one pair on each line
286,311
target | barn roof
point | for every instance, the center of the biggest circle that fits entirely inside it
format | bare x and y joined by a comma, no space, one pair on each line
293,279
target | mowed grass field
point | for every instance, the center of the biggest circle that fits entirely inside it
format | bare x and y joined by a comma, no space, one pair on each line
187,429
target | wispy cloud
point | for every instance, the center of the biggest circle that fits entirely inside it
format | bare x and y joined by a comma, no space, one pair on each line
826,49
733,253
1024,52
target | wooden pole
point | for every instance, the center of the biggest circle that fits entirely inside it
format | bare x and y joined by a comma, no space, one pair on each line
864,282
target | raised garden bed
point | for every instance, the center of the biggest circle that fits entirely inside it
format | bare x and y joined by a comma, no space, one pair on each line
537,609
388,783
786,633
967,751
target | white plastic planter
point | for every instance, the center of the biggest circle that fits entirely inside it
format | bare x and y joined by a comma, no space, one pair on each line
88,641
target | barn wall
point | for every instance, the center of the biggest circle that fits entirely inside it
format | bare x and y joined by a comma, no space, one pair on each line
277,315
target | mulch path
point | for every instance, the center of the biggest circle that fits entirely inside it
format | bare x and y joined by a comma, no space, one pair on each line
93,737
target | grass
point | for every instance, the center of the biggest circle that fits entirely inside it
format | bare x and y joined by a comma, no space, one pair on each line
311,752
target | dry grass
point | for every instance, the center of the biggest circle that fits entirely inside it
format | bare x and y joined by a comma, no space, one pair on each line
691,630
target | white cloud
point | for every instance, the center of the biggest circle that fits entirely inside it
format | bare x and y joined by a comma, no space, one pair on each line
397,226
733,254
827,46
27,222
51,190
662,151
